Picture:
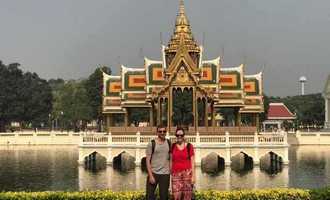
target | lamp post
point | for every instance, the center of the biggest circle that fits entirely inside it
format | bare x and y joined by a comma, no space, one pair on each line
50,122
62,121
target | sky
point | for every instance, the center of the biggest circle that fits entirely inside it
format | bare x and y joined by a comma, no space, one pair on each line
69,38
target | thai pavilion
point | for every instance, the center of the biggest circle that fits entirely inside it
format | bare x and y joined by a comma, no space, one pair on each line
216,98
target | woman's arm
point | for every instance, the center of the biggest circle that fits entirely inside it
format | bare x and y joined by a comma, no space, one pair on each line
193,178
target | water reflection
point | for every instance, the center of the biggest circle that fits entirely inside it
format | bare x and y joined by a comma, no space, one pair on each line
40,168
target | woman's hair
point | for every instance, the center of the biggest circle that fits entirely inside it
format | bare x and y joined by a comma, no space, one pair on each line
180,129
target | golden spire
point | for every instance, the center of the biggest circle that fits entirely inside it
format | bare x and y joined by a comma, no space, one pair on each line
182,31
181,11
182,23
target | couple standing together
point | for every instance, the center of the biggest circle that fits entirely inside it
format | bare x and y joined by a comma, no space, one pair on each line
165,160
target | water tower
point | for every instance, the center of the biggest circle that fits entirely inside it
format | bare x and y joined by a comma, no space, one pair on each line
302,81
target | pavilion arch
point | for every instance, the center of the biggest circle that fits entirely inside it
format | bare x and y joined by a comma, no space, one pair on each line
247,151
242,162
271,152
213,163
99,152
124,161
95,161
271,162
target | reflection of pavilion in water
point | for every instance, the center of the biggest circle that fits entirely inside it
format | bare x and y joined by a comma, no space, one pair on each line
183,89
227,179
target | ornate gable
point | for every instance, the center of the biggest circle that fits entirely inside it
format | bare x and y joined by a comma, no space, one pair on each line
183,76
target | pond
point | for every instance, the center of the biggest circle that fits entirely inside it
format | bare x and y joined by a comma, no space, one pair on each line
50,168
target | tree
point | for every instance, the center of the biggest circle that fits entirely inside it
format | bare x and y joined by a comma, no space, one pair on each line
71,105
10,102
37,96
24,98
94,88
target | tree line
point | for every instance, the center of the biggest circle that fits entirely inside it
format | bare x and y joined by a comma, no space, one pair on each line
34,102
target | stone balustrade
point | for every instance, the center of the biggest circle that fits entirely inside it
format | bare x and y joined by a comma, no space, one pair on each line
227,139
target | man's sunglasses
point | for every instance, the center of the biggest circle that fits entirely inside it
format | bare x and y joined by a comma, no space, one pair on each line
164,131
179,135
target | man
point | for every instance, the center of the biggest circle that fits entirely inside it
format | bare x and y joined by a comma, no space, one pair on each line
158,165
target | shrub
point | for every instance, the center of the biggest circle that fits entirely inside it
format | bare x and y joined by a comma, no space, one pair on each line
268,194
320,194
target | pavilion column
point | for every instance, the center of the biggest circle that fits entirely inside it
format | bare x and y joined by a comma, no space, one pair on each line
158,111
107,122
126,117
206,120
169,109
195,110
161,111
213,114
110,118
257,121
151,115
238,118
253,115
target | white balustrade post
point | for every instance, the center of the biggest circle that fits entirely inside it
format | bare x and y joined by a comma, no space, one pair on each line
256,149
109,138
318,136
81,140
109,156
34,137
285,139
198,159
228,154
137,149
256,139
198,139
138,138
227,139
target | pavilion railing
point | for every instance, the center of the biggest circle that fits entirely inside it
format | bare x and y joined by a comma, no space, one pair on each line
235,130
220,140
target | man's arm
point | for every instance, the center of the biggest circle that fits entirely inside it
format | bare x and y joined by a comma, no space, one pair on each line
148,162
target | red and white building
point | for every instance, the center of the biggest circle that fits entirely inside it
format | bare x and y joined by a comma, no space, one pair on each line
277,114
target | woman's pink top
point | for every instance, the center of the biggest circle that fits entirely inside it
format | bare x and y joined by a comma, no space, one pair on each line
180,160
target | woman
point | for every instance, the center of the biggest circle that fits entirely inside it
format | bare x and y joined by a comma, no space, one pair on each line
183,167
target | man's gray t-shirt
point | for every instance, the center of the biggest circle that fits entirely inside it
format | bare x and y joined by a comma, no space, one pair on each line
160,161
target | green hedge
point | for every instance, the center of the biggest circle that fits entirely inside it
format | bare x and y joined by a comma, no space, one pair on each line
268,194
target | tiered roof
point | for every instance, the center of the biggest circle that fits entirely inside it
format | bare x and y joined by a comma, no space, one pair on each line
182,65
278,111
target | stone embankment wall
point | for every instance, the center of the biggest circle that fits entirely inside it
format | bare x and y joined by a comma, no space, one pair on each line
40,138
309,138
